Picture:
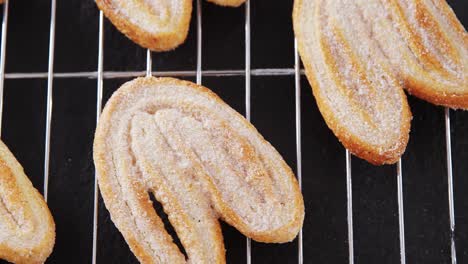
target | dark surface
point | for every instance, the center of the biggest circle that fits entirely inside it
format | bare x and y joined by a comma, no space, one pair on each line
71,168
71,181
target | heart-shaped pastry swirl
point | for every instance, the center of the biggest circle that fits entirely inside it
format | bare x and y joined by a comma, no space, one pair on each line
202,160
358,56
27,230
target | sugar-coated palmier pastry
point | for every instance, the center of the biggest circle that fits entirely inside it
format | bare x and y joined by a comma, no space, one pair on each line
159,25
359,97
27,229
202,161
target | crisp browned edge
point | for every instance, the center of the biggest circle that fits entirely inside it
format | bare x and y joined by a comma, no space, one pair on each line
159,42
228,3
280,235
422,90
43,250
350,141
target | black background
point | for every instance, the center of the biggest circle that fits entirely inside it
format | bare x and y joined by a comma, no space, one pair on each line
71,180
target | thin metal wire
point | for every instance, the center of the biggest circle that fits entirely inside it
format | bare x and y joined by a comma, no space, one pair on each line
2,58
149,63
448,144
199,42
297,62
349,198
247,95
100,85
248,71
128,74
50,78
401,216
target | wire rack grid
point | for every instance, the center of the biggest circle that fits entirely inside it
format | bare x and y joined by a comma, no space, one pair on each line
100,75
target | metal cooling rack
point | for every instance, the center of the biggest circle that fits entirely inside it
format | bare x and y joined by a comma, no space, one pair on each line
99,75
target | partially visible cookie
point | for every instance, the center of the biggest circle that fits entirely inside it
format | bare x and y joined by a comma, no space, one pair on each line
159,25
358,56
27,229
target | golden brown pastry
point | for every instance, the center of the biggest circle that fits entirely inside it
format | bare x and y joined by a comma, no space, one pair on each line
359,54
359,98
27,230
425,44
202,161
159,25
